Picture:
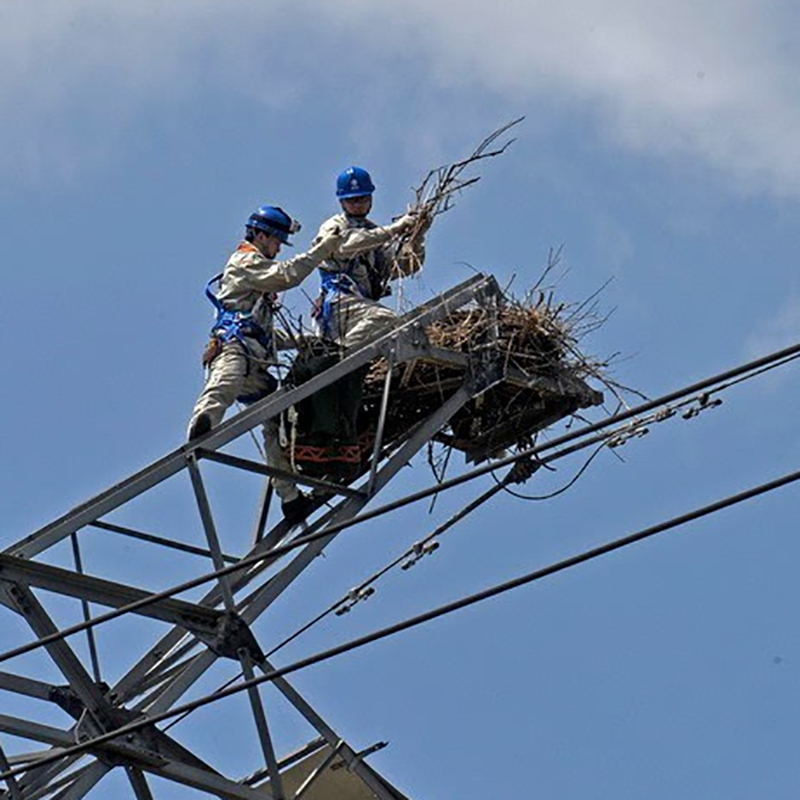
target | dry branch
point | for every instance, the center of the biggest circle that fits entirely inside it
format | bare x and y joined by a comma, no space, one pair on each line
436,194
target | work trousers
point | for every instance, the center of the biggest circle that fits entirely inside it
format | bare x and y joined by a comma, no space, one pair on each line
233,374
356,320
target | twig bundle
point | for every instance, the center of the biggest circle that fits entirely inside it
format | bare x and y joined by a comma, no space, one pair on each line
535,337
436,194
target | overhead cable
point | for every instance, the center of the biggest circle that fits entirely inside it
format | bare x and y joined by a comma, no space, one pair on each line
705,386
417,620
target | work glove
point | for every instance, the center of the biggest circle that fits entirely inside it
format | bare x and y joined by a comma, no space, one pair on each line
417,221
405,223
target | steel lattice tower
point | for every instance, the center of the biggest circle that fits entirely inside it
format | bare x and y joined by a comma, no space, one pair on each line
219,626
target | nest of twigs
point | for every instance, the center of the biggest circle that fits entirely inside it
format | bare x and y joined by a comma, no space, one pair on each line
537,342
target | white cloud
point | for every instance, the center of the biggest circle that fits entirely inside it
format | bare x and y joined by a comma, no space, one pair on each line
675,76
678,77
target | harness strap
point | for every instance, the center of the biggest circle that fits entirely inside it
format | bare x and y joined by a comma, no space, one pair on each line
235,325
215,301
334,283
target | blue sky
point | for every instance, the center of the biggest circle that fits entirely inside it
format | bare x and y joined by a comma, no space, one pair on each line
659,148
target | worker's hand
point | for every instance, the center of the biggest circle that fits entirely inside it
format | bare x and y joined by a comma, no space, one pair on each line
424,222
327,245
403,225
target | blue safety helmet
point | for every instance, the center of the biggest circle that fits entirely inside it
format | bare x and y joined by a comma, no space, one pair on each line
273,221
354,182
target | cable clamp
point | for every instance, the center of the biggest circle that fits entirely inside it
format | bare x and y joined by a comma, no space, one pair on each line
635,431
704,402
523,469
354,597
419,551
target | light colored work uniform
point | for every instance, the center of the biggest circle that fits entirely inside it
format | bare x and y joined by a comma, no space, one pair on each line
249,282
356,275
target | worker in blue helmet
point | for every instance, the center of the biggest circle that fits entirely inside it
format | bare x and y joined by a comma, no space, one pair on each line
368,256
354,182
244,338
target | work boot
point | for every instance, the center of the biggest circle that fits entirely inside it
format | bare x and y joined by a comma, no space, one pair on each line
200,427
296,510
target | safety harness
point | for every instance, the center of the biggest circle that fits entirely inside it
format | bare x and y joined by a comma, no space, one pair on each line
332,284
235,325
239,326
342,282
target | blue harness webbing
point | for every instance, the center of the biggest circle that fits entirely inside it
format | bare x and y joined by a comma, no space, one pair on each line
235,325
334,283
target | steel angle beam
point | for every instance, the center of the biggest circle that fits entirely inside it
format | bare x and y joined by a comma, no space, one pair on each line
264,735
210,782
45,780
34,756
27,686
441,355
262,469
106,593
176,687
459,295
204,507
286,762
13,790
35,731
167,669
85,781
557,382
159,540
264,503
159,664
87,691
139,784
376,448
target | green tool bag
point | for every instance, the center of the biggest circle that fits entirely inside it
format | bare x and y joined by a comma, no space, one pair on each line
331,414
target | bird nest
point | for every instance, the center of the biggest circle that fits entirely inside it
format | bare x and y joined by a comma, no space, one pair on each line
535,344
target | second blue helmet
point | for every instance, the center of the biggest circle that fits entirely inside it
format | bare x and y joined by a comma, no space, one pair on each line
273,221
354,182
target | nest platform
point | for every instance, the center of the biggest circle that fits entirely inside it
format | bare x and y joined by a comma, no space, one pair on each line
545,380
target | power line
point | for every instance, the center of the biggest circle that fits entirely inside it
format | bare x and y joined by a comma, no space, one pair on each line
772,361
419,619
